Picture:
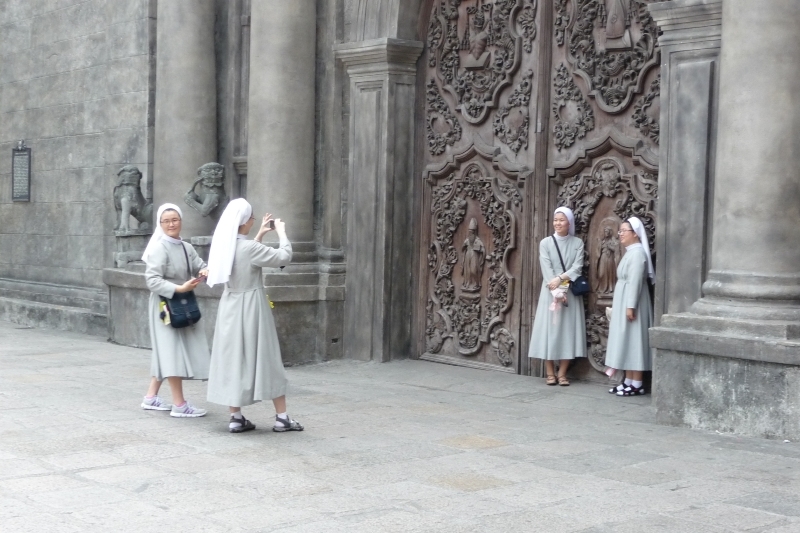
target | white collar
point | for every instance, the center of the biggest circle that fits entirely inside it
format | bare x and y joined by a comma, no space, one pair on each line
167,238
634,245
560,238
241,237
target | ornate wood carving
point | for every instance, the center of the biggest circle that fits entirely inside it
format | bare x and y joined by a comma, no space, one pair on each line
611,44
475,49
515,137
566,132
475,194
437,110
643,117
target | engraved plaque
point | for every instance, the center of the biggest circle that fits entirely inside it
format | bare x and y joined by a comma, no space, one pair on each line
21,173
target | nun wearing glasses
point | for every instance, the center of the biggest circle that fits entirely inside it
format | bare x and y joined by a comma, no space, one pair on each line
178,354
246,364
631,312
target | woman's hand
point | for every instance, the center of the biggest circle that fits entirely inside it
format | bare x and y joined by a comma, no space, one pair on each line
203,273
189,285
280,226
265,227
631,314
554,283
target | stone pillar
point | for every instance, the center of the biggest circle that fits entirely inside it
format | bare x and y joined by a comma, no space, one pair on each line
280,155
379,244
731,361
186,105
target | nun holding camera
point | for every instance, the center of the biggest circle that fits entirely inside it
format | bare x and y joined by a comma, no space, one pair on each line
178,353
246,363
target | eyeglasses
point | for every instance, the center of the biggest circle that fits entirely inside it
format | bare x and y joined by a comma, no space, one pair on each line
620,232
171,222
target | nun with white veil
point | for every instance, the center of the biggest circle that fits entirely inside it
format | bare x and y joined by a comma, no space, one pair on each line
246,364
631,312
178,354
559,328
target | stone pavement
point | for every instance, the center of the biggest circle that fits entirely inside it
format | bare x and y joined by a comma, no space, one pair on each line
400,447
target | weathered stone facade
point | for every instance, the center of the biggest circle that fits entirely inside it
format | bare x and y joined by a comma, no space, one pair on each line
416,150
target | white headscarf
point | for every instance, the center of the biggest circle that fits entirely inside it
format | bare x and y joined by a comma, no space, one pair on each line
570,217
223,243
638,227
158,233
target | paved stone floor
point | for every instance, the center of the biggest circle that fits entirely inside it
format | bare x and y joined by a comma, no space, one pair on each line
401,447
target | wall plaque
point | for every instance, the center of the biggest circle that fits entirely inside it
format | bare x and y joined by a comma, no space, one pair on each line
21,173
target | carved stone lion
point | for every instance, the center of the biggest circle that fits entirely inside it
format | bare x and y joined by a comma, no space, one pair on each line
210,198
129,201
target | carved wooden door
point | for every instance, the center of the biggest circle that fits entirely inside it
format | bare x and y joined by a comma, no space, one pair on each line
529,105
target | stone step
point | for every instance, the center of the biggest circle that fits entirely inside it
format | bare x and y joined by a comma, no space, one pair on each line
94,300
44,315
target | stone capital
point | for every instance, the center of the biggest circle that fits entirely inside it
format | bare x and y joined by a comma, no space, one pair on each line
683,21
379,56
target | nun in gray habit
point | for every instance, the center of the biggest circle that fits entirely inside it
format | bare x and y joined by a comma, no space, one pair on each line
631,312
559,328
246,364
178,354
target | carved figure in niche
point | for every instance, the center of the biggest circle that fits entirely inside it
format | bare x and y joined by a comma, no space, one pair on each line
478,57
211,198
607,262
474,257
618,36
129,201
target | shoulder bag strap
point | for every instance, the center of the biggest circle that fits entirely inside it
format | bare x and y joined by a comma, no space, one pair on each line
188,265
559,254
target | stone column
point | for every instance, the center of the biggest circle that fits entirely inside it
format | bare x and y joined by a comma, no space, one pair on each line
731,360
755,249
379,244
280,155
186,105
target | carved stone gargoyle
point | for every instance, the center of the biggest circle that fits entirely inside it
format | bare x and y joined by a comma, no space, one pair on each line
210,198
129,201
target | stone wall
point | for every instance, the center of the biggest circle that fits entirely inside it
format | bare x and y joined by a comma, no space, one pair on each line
76,82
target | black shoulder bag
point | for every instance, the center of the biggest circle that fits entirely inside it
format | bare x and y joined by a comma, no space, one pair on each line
182,307
580,286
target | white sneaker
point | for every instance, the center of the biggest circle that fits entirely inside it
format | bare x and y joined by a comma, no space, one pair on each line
187,410
155,404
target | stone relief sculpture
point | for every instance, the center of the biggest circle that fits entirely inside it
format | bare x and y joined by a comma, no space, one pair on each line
211,198
609,256
474,257
130,202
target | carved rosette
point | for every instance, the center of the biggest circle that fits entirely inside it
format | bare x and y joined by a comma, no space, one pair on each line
438,110
633,194
475,49
515,138
472,319
642,119
615,68
566,132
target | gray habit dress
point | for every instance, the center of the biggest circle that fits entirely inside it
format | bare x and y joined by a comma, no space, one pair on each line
246,364
559,334
176,352
628,342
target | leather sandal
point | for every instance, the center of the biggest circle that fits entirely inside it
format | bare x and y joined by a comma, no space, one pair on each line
563,381
551,380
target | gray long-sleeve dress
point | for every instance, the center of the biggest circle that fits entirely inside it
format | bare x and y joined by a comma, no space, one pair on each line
629,342
559,334
176,352
246,364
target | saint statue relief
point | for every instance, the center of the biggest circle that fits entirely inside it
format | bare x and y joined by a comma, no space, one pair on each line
618,36
607,262
474,257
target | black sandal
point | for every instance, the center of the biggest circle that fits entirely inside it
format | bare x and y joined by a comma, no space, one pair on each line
286,425
618,388
630,390
246,425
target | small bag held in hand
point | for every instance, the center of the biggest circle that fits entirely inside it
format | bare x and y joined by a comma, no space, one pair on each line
182,308
580,286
